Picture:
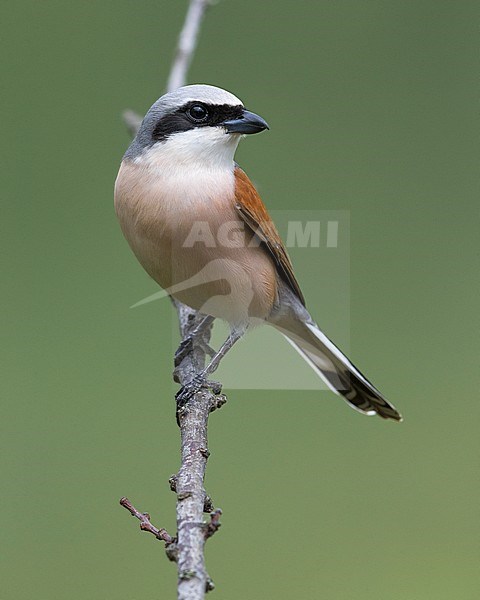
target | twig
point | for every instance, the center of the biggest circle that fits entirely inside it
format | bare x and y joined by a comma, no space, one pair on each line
214,524
187,42
192,500
132,120
145,524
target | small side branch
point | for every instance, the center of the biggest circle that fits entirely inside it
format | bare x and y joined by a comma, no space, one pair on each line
214,524
145,523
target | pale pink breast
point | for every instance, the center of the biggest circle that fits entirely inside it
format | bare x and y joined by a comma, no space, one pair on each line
189,238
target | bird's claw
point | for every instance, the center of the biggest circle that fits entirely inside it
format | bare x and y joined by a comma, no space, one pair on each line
188,390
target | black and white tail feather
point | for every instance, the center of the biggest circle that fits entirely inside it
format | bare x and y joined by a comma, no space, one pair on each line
334,368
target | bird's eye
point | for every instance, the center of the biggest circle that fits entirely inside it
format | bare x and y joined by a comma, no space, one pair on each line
198,113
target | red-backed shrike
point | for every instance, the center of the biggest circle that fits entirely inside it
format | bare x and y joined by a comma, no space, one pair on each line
180,196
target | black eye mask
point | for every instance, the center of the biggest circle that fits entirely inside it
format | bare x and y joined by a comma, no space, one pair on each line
183,118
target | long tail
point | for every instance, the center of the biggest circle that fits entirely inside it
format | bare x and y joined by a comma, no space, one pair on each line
341,376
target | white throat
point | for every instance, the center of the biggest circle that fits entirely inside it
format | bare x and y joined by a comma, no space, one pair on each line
190,167
200,149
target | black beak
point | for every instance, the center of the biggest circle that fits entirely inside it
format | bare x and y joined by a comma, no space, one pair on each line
249,122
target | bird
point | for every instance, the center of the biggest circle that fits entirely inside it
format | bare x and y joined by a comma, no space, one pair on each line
199,228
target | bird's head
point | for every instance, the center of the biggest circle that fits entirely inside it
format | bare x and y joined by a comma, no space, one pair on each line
195,123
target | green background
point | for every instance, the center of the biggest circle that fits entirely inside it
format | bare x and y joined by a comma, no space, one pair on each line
373,110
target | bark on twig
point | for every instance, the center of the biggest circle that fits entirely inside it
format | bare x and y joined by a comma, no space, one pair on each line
187,549
192,500
187,42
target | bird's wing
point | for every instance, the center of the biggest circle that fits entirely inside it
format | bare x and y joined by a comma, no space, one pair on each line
252,210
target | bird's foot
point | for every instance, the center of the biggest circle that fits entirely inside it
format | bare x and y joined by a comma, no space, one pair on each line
189,390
